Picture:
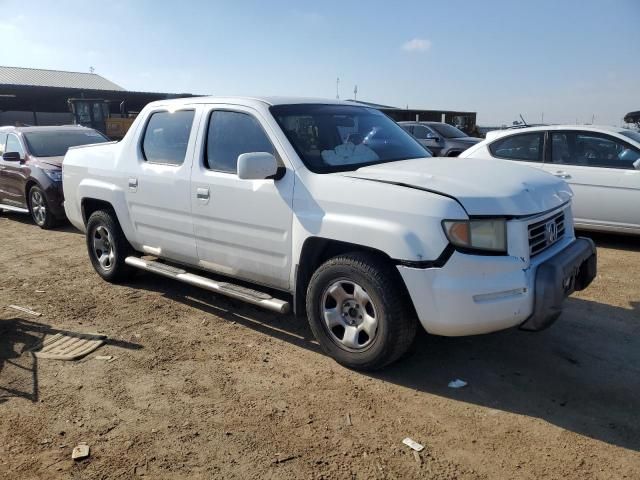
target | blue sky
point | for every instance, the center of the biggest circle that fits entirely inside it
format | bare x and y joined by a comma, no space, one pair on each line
569,59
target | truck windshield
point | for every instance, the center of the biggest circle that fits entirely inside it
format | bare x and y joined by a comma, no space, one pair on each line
55,143
335,138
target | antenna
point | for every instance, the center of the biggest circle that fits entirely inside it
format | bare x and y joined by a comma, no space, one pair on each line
524,121
355,92
91,69
338,88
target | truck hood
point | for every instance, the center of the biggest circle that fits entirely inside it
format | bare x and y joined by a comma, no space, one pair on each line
482,187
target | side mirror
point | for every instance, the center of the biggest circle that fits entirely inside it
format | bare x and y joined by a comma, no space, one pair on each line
257,166
433,136
636,164
11,157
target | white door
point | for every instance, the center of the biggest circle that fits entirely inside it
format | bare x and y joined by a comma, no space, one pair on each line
158,193
600,170
242,227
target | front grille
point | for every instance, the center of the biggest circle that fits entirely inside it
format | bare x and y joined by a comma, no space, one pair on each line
545,233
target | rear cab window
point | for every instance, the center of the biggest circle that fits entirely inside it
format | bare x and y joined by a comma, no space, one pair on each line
525,147
166,137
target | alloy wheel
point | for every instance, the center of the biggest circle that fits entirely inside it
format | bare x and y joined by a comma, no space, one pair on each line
349,315
103,248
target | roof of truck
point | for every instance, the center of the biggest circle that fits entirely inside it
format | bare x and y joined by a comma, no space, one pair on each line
54,128
266,100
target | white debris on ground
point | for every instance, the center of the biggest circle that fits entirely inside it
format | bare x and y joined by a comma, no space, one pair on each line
413,444
80,451
457,383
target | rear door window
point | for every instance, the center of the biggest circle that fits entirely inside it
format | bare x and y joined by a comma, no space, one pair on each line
526,147
3,139
166,137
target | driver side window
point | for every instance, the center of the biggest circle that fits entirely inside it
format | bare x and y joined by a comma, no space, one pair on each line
421,132
592,149
231,134
14,145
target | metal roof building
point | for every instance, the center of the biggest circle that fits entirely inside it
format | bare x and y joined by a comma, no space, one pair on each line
42,97
466,121
55,78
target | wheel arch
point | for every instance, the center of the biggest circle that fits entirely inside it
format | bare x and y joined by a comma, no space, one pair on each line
317,250
31,182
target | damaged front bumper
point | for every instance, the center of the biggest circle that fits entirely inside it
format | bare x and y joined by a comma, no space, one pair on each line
570,270
474,294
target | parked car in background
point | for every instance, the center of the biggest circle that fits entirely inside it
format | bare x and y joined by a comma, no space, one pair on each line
602,165
331,208
442,139
31,168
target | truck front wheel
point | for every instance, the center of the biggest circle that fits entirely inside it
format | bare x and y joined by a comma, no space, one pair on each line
108,247
359,312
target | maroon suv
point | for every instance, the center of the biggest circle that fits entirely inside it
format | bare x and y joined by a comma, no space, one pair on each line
31,168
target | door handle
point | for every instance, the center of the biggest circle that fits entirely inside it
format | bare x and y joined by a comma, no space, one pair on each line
133,184
202,194
562,174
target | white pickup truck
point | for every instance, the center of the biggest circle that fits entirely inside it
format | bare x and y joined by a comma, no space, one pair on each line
333,209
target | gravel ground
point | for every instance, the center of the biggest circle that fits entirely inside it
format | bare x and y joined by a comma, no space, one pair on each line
204,387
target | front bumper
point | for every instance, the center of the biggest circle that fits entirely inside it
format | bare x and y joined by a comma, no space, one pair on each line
474,294
55,198
570,270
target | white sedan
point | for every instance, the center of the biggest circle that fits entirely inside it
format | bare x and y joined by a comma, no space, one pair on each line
602,165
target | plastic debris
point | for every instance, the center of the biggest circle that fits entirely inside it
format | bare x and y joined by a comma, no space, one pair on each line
80,451
413,444
349,420
25,310
457,383
104,357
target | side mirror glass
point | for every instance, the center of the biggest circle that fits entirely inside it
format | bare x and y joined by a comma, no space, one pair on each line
257,166
11,157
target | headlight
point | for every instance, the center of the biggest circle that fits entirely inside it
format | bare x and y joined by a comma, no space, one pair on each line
55,175
488,235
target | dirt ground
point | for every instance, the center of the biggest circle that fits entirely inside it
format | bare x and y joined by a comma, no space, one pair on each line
204,387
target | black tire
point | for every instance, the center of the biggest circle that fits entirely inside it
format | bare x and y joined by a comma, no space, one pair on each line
113,269
39,209
395,318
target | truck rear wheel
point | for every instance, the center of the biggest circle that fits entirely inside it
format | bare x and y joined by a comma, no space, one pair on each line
108,247
358,311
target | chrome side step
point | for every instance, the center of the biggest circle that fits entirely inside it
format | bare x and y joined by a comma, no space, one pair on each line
238,292
13,209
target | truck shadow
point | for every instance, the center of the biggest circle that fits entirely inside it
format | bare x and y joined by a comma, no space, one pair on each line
19,376
25,219
582,374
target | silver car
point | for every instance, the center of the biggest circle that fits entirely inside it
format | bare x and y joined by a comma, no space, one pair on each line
442,139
